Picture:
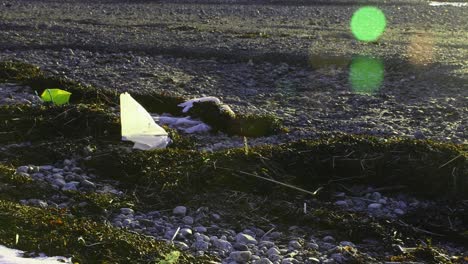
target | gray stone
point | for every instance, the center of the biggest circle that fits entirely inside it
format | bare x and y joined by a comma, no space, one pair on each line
186,232
24,169
240,247
347,243
179,211
126,222
67,162
57,176
38,176
201,245
382,201
241,256
223,245
188,220
273,251
289,261
312,260
58,182
275,235
216,217
329,239
419,135
274,257
295,244
245,239
88,184
338,257
263,261
266,243
374,206
201,237
70,186
398,211
126,211
181,245
312,245
376,196
200,229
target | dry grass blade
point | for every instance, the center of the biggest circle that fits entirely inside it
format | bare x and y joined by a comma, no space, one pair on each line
271,180
450,161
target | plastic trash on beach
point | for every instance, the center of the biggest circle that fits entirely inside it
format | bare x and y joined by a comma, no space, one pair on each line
56,96
185,124
15,256
139,127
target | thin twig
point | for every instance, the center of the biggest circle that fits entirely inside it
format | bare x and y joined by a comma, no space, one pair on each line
448,162
270,180
175,234
268,232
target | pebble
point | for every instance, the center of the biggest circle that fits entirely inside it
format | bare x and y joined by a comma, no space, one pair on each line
375,196
240,247
23,169
295,244
374,206
179,211
222,244
88,184
71,186
241,256
186,232
263,261
201,245
127,211
200,229
329,239
398,211
273,251
188,220
59,182
245,239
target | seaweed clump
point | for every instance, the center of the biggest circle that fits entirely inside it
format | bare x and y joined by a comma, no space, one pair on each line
308,164
55,232
25,123
213,115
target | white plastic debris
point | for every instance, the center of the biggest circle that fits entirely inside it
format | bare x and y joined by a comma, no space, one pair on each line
200,128
185,124
15,256
189,104
139,127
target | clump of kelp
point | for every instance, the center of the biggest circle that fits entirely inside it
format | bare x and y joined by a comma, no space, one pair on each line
213,115
56,232
425,168
76,232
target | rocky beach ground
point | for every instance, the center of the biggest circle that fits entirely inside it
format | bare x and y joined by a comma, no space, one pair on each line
291,59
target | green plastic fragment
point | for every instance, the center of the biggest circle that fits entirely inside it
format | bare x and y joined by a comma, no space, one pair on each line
56,96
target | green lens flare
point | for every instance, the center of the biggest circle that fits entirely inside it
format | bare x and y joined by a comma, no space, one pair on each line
366,75
368,23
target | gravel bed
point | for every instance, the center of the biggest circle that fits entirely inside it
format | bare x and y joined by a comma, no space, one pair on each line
204,231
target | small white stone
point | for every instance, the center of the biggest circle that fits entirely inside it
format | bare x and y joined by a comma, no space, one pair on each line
374,206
